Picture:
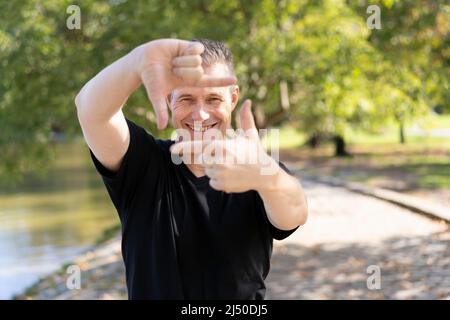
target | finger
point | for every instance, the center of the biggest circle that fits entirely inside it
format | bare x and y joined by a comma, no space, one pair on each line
191,73
216,184
191,48
159,104
188,147
210,172
198,159
160,107
187,61
184,47
192,146
246,119
210,81
158,101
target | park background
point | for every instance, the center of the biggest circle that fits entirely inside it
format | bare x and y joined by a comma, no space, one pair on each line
353,104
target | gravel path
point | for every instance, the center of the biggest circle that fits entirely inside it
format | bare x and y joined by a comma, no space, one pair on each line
325,259
345,234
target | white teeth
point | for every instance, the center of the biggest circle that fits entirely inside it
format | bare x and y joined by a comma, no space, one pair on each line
198,128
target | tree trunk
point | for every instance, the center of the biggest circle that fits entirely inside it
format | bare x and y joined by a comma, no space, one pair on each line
313,141
402,133
340,146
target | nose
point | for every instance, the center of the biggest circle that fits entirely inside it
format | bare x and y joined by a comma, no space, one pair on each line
200,113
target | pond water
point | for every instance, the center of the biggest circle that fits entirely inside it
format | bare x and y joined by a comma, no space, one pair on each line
46,221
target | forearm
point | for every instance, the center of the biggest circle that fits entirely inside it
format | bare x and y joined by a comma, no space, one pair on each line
284,200
105,94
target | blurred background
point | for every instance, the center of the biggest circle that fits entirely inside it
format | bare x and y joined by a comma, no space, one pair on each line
354,104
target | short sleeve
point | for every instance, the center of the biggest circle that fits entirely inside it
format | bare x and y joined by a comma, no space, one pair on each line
276,233
143,152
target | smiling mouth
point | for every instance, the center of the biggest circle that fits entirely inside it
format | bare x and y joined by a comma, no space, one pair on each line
200,128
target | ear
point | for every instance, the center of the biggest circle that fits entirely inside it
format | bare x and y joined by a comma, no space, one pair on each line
234,97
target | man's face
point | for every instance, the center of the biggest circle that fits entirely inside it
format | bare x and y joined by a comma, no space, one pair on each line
202,109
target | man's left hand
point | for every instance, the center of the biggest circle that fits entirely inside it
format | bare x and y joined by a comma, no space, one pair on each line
234,164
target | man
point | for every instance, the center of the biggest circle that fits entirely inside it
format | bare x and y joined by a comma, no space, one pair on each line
192,230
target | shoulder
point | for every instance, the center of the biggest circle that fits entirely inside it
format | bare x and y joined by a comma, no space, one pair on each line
141,136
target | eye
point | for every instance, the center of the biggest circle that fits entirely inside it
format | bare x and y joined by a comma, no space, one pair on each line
215,100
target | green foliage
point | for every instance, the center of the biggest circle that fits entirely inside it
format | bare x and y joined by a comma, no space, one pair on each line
340,75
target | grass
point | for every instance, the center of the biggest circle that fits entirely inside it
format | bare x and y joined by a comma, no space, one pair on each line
378,159
390,133
438,122
290,137
400,168
287,137
108,234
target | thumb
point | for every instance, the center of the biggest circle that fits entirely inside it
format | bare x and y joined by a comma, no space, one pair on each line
246,120
246,117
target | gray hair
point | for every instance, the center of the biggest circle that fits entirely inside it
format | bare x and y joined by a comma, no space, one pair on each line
216,52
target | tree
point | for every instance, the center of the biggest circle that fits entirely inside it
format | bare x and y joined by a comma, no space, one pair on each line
413,42
314,63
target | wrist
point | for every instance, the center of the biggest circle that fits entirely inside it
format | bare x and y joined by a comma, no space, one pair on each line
137,59
141,55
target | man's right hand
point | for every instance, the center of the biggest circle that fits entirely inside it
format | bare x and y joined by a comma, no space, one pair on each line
165,64
161,65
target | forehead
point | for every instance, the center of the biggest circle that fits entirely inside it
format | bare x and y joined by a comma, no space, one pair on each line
216,70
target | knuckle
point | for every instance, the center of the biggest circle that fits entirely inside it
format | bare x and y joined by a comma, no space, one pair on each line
199,70
198,60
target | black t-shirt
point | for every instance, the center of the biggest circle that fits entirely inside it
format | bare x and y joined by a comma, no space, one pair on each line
181,239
